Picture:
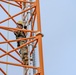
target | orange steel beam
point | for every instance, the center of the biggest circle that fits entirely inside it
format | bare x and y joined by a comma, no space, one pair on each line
37,74
17,14
2,71
17,40
33,21
9,43
37,40
8,13
19,4
32,16
15,64
33,24
40,38
15,29
23,1
33,48
11,56
15,49
10,3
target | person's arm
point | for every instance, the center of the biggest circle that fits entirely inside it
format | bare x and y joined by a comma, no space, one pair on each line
16,33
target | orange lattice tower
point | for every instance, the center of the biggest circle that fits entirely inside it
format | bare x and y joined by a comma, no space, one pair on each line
29,12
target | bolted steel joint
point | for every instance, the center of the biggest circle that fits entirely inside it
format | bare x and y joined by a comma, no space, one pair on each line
39,33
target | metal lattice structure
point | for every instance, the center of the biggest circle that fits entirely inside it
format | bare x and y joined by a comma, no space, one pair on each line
33,30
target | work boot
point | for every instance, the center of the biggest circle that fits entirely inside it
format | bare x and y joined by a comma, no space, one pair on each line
31,59
26,59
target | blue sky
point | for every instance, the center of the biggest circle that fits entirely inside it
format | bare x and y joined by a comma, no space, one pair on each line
58,19
59,41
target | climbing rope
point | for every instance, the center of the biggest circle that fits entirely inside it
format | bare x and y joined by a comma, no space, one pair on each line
7,43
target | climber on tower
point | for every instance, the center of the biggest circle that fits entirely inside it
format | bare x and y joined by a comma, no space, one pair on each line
24,50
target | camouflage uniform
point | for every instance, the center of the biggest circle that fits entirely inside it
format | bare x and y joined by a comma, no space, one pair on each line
24,50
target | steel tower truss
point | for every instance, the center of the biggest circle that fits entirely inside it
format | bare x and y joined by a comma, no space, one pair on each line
35,29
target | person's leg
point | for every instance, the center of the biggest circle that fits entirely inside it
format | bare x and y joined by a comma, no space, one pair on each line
24,53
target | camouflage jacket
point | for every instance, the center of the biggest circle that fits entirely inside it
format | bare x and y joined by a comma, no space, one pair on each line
19,34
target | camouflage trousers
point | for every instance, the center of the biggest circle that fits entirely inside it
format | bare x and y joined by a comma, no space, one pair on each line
24,52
